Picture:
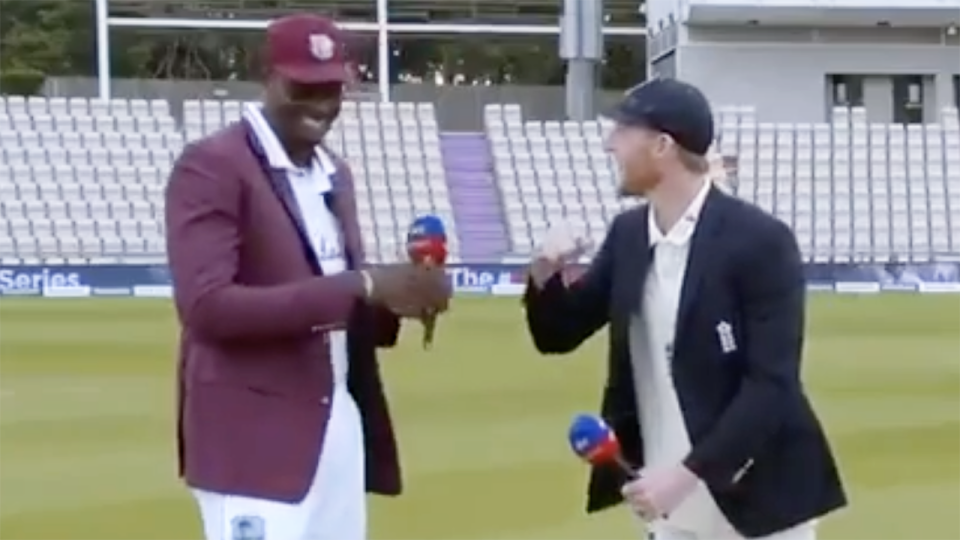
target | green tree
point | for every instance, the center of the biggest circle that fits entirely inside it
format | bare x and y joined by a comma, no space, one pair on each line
531,60
472,60
45,35
625,62
58,37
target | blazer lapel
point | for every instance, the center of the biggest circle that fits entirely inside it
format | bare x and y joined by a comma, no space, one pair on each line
702,247
637,263
281,188
344,210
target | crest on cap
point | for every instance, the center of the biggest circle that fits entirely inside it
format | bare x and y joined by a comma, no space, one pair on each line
322,46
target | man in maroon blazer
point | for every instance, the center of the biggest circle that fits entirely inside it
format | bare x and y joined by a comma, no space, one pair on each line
283,424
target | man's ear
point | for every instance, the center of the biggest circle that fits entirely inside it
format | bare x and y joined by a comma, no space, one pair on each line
665,142
261,66
270,91
268,83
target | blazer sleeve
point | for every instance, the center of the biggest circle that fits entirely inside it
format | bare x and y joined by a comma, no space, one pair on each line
386,326
203,221
773,295
561,316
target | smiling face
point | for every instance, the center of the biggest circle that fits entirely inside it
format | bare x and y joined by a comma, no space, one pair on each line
304,112
639,152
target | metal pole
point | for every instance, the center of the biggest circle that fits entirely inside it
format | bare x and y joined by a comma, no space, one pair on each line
383,52
581,45
103,50
393,28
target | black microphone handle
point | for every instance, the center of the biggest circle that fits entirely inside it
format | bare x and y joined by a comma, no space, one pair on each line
626,468
430,318
631,473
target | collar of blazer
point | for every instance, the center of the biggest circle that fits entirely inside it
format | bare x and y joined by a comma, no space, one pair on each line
337,198
275,152
682,231
703,245
709,218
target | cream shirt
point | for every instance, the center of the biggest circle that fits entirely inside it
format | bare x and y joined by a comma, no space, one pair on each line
335,505
665,438
308,186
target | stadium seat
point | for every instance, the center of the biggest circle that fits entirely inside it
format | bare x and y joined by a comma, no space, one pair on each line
82,179
551,171
395,141
852,191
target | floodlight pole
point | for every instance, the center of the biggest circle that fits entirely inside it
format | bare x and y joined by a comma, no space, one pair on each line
103,49
383,52
581,45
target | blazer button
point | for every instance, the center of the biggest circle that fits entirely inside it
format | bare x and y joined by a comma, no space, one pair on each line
325,400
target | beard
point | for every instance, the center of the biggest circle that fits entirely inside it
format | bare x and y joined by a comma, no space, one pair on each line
637,184
638,173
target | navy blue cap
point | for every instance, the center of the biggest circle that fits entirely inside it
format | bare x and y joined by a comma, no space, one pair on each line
672,107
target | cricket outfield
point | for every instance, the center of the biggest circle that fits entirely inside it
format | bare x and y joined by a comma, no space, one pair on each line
86,422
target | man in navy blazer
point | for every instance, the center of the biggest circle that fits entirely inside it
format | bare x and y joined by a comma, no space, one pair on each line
704,296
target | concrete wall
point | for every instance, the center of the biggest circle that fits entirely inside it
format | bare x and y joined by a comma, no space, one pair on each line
784,72
459,108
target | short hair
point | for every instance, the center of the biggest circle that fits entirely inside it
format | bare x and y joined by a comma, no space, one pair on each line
717,165
693,162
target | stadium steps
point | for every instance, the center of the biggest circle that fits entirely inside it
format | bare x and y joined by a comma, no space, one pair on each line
474,196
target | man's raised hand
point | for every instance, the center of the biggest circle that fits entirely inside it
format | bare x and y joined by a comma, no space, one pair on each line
560,247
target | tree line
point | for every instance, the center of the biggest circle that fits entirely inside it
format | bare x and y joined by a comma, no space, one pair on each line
42,38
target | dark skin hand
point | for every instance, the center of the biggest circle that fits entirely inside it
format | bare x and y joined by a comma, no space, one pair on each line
301,115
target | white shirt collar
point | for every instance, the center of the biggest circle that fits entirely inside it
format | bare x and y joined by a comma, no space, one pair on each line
682,231
276,155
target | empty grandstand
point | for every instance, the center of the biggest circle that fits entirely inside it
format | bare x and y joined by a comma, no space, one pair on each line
83,179
859,154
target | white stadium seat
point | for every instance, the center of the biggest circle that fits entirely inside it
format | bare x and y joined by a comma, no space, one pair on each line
850,190
84,179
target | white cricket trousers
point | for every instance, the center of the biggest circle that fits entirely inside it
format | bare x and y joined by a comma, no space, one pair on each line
663,531
335,507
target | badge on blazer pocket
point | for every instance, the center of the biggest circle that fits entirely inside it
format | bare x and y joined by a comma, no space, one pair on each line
725,337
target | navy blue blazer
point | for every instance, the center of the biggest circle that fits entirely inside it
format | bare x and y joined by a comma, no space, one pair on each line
757,443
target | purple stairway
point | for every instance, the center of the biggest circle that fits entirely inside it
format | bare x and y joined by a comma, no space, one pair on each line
474,196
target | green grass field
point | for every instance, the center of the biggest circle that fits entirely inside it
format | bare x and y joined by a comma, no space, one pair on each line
86,397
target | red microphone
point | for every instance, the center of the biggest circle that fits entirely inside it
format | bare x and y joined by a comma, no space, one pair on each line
428,251
427,245
593,441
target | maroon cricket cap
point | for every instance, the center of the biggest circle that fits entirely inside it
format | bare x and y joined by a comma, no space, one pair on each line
307,49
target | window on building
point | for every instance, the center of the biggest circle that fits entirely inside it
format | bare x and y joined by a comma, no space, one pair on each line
908,99
956,91
846,90
665,67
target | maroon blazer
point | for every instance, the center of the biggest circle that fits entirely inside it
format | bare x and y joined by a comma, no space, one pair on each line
255,379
